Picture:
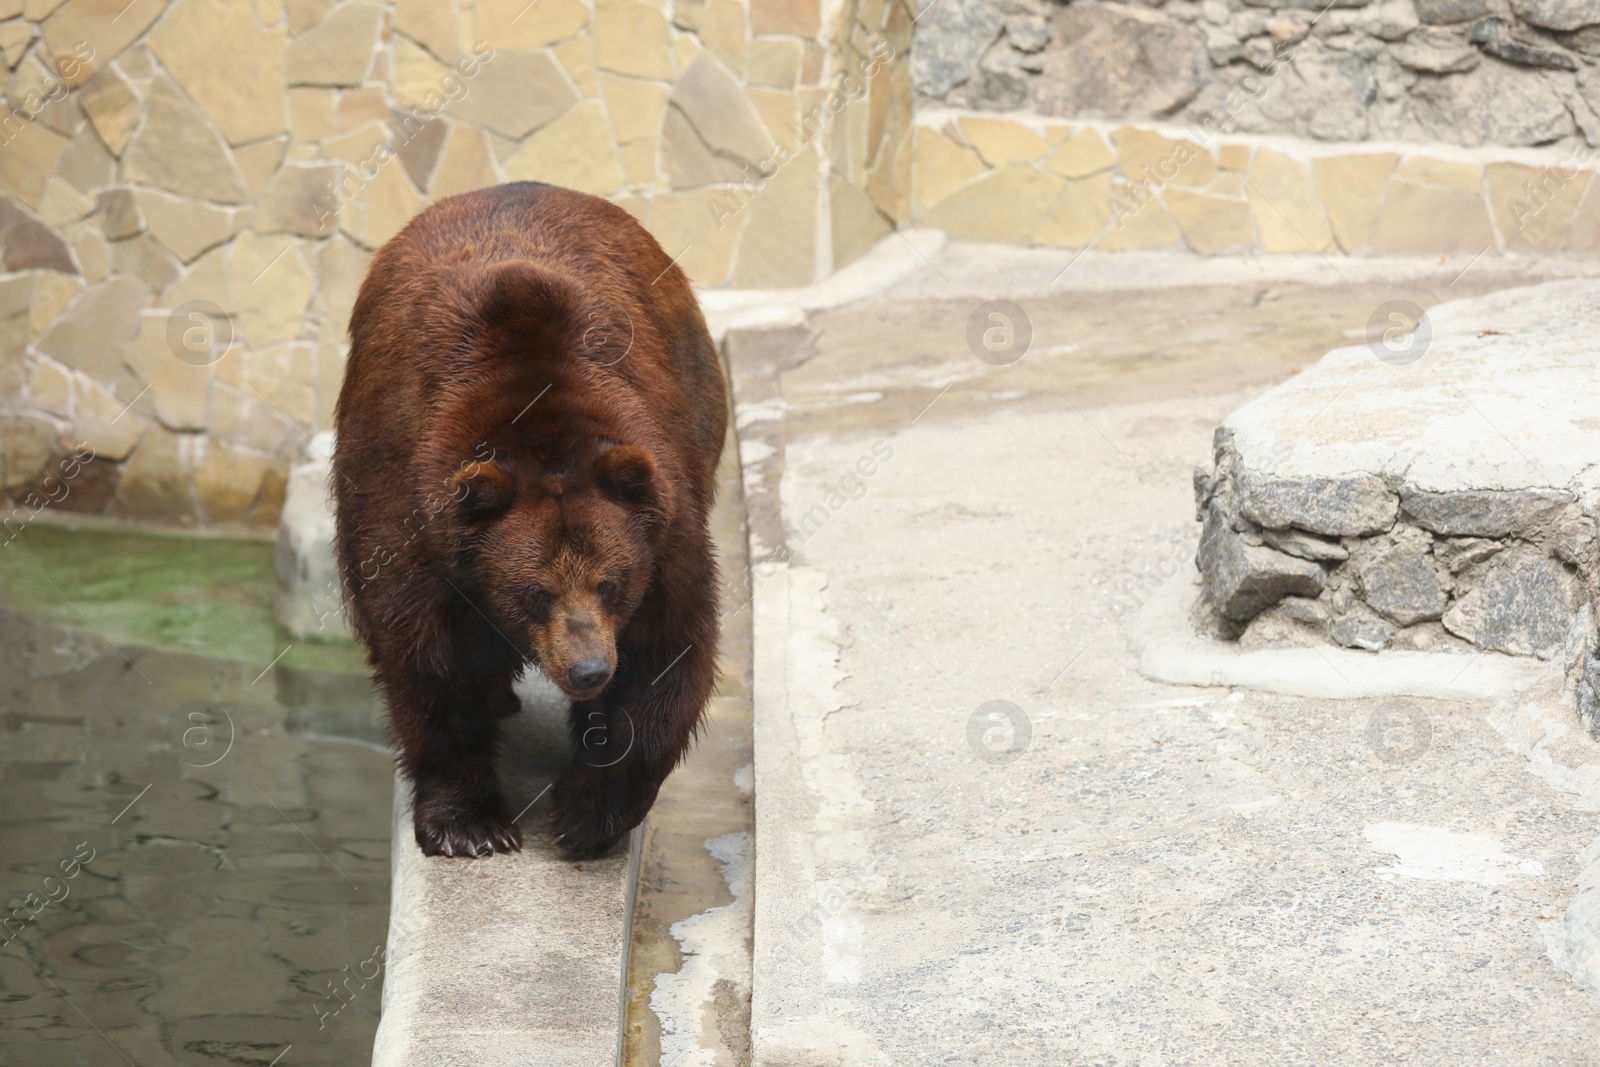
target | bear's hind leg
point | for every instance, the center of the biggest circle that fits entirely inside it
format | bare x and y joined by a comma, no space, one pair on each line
447,737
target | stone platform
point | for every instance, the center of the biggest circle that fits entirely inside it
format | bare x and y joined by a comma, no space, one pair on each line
1433,490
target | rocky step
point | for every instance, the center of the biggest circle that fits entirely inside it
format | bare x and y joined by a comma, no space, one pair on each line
1433,490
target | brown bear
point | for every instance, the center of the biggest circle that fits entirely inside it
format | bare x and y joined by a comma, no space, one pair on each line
527,441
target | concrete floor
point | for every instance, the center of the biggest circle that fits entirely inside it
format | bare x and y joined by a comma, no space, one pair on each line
1114,870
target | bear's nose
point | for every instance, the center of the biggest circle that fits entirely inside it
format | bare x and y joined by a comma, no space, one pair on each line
589,674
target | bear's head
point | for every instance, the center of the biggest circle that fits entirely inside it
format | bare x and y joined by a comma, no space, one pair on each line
561,541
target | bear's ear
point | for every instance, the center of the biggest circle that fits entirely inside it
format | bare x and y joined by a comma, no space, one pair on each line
482,490
628,475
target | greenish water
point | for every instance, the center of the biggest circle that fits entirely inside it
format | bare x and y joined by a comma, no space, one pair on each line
194,812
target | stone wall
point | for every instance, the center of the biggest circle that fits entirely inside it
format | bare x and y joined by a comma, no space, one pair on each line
1467,72
1116,186
190,191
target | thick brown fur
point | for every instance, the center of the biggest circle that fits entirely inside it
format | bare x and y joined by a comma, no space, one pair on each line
528,436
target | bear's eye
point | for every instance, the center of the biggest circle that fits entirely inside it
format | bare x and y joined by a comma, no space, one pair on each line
609,589
540,601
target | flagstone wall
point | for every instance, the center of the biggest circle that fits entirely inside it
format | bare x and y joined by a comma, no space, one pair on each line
190,192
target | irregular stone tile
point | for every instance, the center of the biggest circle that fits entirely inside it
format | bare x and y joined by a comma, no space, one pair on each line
942,166
208,279
118,214
241,85
62,205
14,40
631,38
387,203
1243,580
50,388
303,14
188,227
800,18
51,295
108,27
577,59
259,162
683,225
467,164
155,482
518,25
1396,576
26,444
1006,204
93,332
718,115
1356,506
1441,173
28,159
143,258
778,247
297,200
1111,59
575,151
337,50
357,107
272,285
1146,156
1351,188
92,251
1519,602
774,62
418,145
1289,216
1495,513
1433,58
515,94
179,391
1079,214
178,150
31,245
240,416
1234,157
433,26
1534,206
1082,154
112,107
105,422
1422,219
312,114
635,106
999,141
282,375
228,481
1138,220
16,298
857,222
638,162
86,165
1211,224
331,356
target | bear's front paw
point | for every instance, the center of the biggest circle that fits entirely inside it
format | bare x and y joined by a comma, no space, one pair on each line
445,830
592,811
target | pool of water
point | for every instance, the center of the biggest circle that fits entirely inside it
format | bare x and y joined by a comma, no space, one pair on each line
194,812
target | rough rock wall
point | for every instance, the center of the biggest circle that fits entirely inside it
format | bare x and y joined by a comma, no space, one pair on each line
1468,72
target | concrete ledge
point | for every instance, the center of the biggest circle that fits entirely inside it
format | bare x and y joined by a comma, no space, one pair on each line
514,960
1170,651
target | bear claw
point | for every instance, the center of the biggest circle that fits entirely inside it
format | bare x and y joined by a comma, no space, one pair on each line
468,837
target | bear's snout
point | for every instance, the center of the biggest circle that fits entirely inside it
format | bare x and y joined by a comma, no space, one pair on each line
589,674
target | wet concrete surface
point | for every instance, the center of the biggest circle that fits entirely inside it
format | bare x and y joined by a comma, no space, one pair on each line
983,837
